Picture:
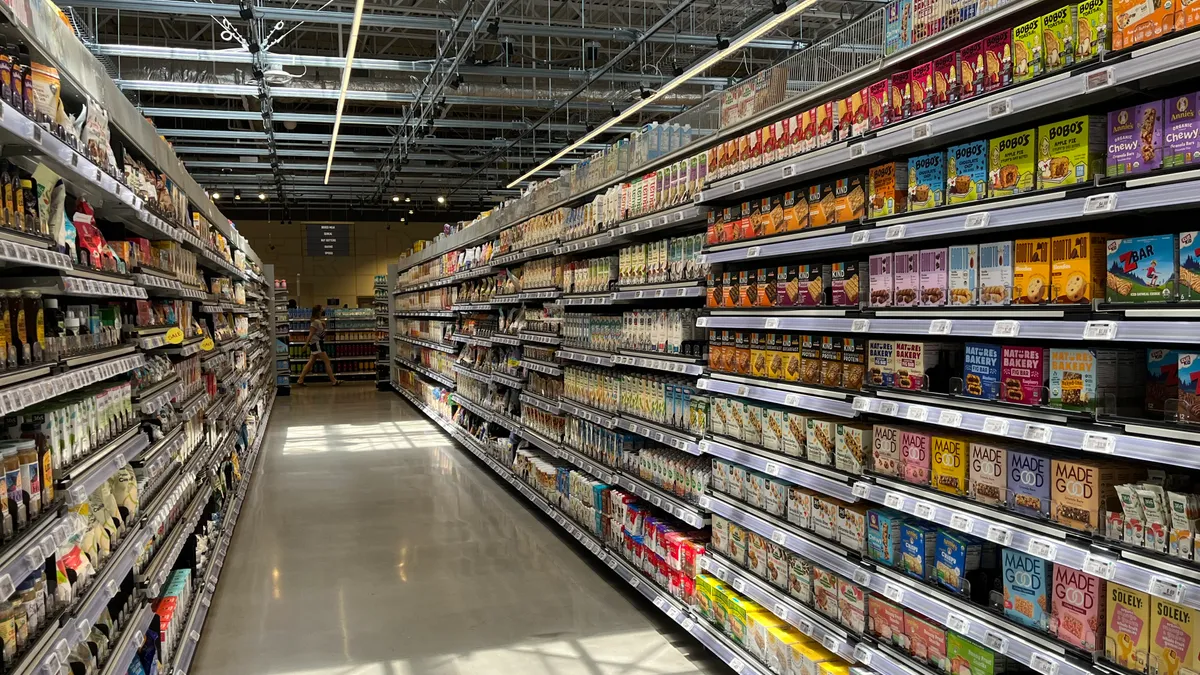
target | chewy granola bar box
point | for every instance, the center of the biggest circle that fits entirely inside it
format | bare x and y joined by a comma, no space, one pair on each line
1079,608
1181,131
1029,483
1135,139
989,474
1140,269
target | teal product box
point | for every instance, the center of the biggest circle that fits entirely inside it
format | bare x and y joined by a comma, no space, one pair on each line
1141,269
957,554
883,536
1027,589
967,172
926,181
918,544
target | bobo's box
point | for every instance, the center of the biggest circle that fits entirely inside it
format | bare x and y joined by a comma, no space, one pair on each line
1070,152
1140,269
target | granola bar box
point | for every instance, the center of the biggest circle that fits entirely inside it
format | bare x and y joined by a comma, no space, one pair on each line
1026,588
1181,129
989,474
1189,387
845,282
1023,374
1031,271
906,278
1029,483
899,96
967,172
1135,139
1081,379
933,277
887,189
880,279
1162,378
1189,266
957,554
963,282
1078,608
854,362
1082,492
981,370
926,181
822,204
995,273
1070,152
915,453
1140,269
885,450
921,82
881,357
948,463
1077,267
1127,628
1137,21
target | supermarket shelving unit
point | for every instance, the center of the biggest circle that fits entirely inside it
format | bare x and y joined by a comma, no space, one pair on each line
282,338
383,341
1110,205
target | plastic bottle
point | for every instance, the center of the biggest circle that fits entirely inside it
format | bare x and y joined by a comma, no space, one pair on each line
30,207
71,336
12,479
30,476
7,171
53,321
35,326
18,213
27,84
16,96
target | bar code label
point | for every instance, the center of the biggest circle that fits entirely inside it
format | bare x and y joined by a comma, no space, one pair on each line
1000,535
958,623
1043,664
1038,433
975,221
1099,566
1163,587
1097,442
1042,548
995,425
917,413
950,418
894,592
1100,330
940,327
779,537
861,489
1006,328
995,641
960,522
894,232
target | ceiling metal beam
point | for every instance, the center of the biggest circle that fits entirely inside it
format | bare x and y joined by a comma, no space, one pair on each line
348,139
371,120
315,181
247,151
358,168
408,22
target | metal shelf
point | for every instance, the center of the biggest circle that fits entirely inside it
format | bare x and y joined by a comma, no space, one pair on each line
682,365
663,291
781,466
660,498
438,377
538,251
541,367
507,380
582,299
537,336
438,314
672,437
591,357
584,412
541,402
547,445
818,402
502,339
673,217
439,346
472,374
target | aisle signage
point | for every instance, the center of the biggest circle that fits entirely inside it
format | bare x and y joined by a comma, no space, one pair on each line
327,239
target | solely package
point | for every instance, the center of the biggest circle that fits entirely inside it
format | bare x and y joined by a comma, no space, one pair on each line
1079,607
1135,137
1189,267
967,172
1077,267
850,199
989,474
886,457
1093,29
1027,595
998,61
883,536
1028,51
918,545
1012,163
881,357
888,189
1031,271
915,454
1127,628
1135,22
945,80
1140,269
879,270
972,72
949,461
1082,492
963,280
1070,152
906,278
1029,483
822,205
926,181
1023,374
921,84
913,359
1081,379
933,277
995,273
1181,130
981,370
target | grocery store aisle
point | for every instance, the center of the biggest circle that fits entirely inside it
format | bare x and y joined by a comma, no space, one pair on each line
370,545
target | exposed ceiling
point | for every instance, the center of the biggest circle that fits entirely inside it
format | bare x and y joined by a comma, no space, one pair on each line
212,80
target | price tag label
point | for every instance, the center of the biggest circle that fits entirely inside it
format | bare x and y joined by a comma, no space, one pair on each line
737,665
958,623
673,612
862,654
791,400
738,185
704,502
890,408
862,577
894,592
1099,566
857,150
1037,433
771,468
739,585
804,626
659,293
1042,548
1100,79
1100,330
894,232
860,325
961,522
950,418
893,500
1098,442
779,537
6,587
995,641
977,220
1096,204
861,403
174,336
922,131
999,534
995,425
1006,329
753,252
924,510
1166,587
940,326
1042,664
789,171
860,237
999,108
831,643
742,390
917,413
771,324
861,489
702,322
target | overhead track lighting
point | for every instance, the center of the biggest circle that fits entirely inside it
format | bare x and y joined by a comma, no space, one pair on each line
704,64
407,198
396,198
237,195
441,199
341,104
216,196
262,196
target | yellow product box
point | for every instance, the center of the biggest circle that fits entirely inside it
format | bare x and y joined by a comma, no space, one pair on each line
949,464
807,657
706,590
740,609
834,668
1031,271
1078,267
1071,151
721,596
1093,30
758,638
780,647
1012,163
1127,633
1028,51
1172,638
1058,38
1081,492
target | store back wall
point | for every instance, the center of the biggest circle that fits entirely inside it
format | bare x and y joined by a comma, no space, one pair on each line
313,279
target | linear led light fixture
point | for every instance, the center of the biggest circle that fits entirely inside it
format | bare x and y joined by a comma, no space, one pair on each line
703,65
337,119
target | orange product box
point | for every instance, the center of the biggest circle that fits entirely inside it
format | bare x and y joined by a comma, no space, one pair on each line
756,221
878,108
1137,21
850,199
729,282
822,205
746,288
921,81
795,211
771,213
769,145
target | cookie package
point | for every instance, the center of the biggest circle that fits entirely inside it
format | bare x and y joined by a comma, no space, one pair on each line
1077,267
1031,271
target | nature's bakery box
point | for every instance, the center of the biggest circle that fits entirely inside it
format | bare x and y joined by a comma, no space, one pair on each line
1127,628
1172,638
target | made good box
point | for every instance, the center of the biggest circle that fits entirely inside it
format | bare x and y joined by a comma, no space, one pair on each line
1070,152
915,455
988,474
1137,21
1181,130
1027,50
1012,163
1031,271
1079,608
948,464
1127,628
1029,483
963,282
888,189
1077,267
1135,139
967,172
926,181
995,273
1082,492
1023,374
1140,269
885,450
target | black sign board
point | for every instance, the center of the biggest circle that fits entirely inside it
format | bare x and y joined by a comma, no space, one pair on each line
328,240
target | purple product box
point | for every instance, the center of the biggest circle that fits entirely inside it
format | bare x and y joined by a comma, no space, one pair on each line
1181,131
1135,139
1023,374
880,270
933,277
906,278
1029,483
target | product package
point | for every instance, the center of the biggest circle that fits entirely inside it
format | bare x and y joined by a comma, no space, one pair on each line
1058,38
880,280
915,454
1093,29
1127,628
1024,373
888,189
1135,22
981,370
988,474
998,61
1012,163
1135,137
967,172
964,274
1031,271
948,462
1070,152
906,278
1189,267
1140,269
1082,379
918,545
1028,51
972,71
1029,483
886,457
1027,595
1181,129
1077,267
1079,607
995,273
926,181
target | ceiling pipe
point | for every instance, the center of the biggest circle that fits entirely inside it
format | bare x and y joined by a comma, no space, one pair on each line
349,139
370,120
243,151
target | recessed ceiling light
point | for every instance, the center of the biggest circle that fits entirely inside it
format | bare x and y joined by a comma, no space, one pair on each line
441,199
216,196
262,196
396,198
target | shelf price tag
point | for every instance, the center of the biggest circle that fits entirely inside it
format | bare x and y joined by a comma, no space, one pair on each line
999,108
742,390
780,611
1100,566
771,324
861,403
861,489
1006,329
995,641
894,232
1042,664
860,237
999,534
789,171
831,642
924,510
890,408
917,413
894,592
977,220
857,150
862,654
958,623
1166,587
739,585
962,522
753,252
995,425
1100,203
1038,433
737,665
1100,330
779,537
940,326
771,468
1098,442
893,500
804,626
862,577
860,325
1099,79
1042,549
792,400
922,131
950,418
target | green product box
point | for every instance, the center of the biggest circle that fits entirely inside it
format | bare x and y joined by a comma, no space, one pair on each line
1058,38
1071,151
1028,52
967,658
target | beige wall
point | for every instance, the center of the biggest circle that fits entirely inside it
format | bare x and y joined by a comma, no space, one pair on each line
313,279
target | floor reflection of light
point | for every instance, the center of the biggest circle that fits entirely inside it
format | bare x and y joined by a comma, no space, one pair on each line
309,440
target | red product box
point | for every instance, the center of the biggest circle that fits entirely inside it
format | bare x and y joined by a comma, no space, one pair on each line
826,121
997,61
945,80
860,118
899,96
1023,374
921,82
809,122
796,133
971,71
879,108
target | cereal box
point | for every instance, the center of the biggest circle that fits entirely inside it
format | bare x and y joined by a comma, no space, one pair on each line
995,273
913,360
885,450
998,60
926,181
800,578
795,434
822,205
963,280
1079,607
927,640
1029,483
1162,378
967,172
1092,30
988,474
888,189
880,280
945,80
1081,379
921,85
981,370
850,447
852,527
1070,152
1136,21
933,277
1023,374
1135,138
825,593
1082,492
1028,51
948,463
1012,163
887,621
883,535
906,278
820,439
852,605
831,365
915,454
967,658
845,284
881,355
1181,130
1031,271
1140,269
957,554
1127,628
1058,38
880,111
899,96
918,545
972,73
799,510
1077,267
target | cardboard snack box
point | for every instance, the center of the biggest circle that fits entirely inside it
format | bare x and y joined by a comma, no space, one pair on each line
998,61
850,199
795,210
1135,136
887,621
926,181
921,86
851,446
1077,267
1127,628
854,362
988,474
1082,492
822,205
1058,38
883,535
913,359
1162,378
888,189
963,279
967,172
967,658
915,454
1079,608
1031,271
810,359
1093,29
1181,130
899,96
948,463
1070,152
995,273
1012,163
1140,269
1027,596
945,80
880,279
886,457
982,370
1024,372
906,276
881,355
879,105
1082,379
845,284
933,277
831,363
1136,22
1189,267
826,121
972,71
860,103
957,554
918,546
1028,52
1029,483
927,641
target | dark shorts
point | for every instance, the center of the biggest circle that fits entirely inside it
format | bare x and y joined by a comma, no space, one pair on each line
316,347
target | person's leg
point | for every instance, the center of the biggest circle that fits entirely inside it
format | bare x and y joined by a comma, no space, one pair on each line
329,368
312,358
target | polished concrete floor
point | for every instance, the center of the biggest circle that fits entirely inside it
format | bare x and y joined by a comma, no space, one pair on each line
370,545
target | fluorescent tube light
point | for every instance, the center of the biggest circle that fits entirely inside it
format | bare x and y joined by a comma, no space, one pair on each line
337,119
703,65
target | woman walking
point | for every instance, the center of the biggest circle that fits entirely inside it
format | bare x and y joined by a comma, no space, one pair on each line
316,347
